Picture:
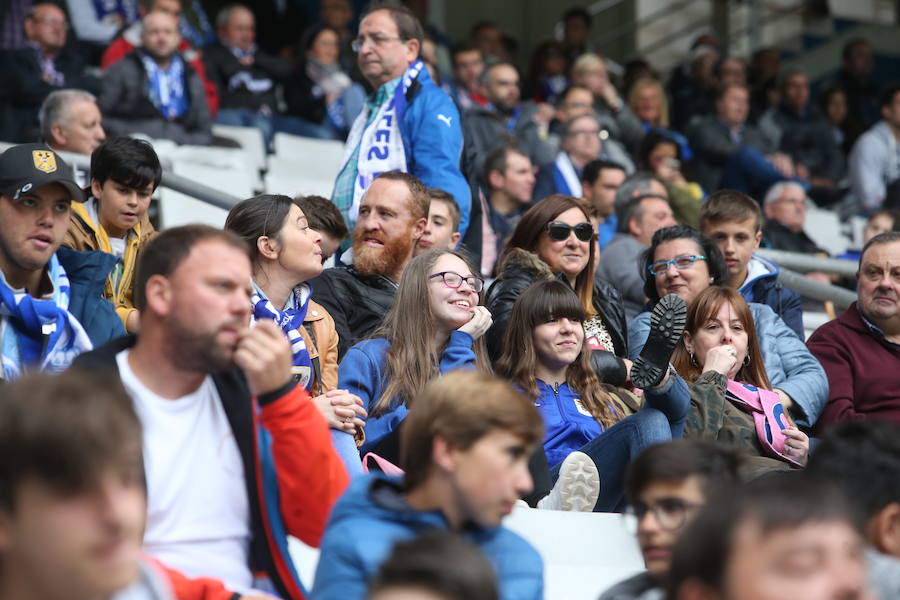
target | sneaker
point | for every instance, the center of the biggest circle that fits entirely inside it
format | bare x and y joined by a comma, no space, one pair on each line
667,322
577,487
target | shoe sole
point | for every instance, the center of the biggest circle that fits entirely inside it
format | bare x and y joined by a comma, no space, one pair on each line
667,322
579,483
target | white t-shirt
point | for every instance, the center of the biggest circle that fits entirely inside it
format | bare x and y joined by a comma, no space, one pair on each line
198,514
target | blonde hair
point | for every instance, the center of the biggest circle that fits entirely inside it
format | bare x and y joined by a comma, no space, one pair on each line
646,82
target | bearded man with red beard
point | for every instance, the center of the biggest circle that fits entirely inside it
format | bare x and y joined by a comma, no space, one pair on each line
392,216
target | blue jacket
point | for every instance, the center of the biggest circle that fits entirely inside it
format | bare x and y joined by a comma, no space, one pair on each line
789,364
87,273
765,288
361,372
433,141
373,515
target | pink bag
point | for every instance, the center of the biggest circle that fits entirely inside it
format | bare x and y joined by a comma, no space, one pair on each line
768,415
386,466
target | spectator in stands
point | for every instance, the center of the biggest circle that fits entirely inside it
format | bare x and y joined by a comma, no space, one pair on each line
642,208
338,14
505,119
730,71
207,389
784,536
765,64
71,122
576,32
487,36
580,143
882,221
845,129
874,165
590,71
12,15
661,155
863,458
665,486
130,37
856,348
547,74
796,128
509,181
319,93
406,127
124,174
324,218
696,263
546,356
51,304
435,566
855,76
785,210
442,229
600,182
468,64
694,93
647,100
465,449
154,91
734,222
554,240
392,216
43,65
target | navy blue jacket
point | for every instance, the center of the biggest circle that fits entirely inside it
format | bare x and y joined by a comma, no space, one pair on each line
766,289
87,273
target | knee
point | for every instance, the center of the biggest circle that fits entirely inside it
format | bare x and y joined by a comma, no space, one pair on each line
653,427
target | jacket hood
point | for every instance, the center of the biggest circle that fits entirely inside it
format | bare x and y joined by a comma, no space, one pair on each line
518,258
88,266
760,268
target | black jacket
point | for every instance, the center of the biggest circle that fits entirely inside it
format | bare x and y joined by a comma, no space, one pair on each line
231,77
522,268
356,302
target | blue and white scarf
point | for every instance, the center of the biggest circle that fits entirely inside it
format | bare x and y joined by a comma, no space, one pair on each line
380,144
565,178
290,319
166,87
39,333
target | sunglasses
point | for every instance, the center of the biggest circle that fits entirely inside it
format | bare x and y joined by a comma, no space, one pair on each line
559,232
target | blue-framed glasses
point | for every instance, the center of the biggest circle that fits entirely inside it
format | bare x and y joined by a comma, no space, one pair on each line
681,263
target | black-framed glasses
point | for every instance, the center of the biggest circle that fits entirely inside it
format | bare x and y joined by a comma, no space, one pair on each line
681,263
670,513
452,279
378,40
559,231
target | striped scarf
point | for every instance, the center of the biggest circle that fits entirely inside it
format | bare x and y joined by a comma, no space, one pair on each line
290,319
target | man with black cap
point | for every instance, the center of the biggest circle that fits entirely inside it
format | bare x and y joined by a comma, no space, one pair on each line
51,305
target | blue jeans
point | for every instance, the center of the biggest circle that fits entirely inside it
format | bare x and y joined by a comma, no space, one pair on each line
345,446
750,172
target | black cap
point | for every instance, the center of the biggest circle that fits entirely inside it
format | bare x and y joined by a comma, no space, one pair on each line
27,167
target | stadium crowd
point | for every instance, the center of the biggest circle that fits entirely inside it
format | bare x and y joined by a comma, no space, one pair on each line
543,293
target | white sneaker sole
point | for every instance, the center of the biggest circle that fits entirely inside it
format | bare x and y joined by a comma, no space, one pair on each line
579,483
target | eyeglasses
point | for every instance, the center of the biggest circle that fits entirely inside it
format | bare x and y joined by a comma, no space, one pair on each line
453,280
51,22
681,263
379,40
670,513
559,231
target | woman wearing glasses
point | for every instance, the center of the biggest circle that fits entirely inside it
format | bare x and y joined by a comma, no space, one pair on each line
555,240
435,326
682,261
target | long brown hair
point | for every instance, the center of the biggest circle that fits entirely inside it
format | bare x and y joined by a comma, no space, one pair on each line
542,301
409,327
533,225
702,310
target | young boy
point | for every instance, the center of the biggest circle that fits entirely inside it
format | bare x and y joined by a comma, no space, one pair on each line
734,222
124,174
325,219
442,230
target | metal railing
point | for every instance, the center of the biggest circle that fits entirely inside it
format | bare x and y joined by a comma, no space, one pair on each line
794,264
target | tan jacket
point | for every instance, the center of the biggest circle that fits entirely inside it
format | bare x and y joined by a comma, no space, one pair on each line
325,346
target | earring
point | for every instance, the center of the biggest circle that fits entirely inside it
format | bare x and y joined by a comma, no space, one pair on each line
693,360
747,360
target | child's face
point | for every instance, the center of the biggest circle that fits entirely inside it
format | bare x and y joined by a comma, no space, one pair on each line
737,240
120,206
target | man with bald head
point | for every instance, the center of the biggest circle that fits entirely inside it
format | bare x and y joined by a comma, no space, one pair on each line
154,91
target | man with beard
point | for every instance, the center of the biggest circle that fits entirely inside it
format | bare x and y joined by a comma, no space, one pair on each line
392,217
228,436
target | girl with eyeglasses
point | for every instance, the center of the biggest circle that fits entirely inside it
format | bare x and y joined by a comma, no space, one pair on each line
435,326
555,240
545,355
683,261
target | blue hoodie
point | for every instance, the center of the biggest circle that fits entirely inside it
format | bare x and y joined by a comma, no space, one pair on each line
372,516
762,286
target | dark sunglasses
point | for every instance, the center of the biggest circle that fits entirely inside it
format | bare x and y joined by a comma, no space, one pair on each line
559,231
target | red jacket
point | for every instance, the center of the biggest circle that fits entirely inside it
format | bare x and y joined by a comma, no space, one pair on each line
863,371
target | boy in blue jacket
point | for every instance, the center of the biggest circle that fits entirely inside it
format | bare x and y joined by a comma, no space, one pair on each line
465,447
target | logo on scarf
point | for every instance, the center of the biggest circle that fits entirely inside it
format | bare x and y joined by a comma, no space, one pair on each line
44,160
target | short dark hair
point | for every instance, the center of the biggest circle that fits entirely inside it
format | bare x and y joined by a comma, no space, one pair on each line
497,161
408,25
262,215
170,248
888,237
561,97
716,465
651,140
568,125
323,216
863,458
577,12
715,262
730,205
632,209
461,47
64,431
851,44
485,76
127,161
777,501
440,562
887,96
594,169
436,195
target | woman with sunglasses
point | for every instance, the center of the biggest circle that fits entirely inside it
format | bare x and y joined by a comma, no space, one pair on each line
683,261
554,239
434,326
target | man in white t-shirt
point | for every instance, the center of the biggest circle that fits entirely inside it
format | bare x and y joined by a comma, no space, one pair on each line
236,455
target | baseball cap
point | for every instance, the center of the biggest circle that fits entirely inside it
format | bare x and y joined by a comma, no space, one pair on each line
27,167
